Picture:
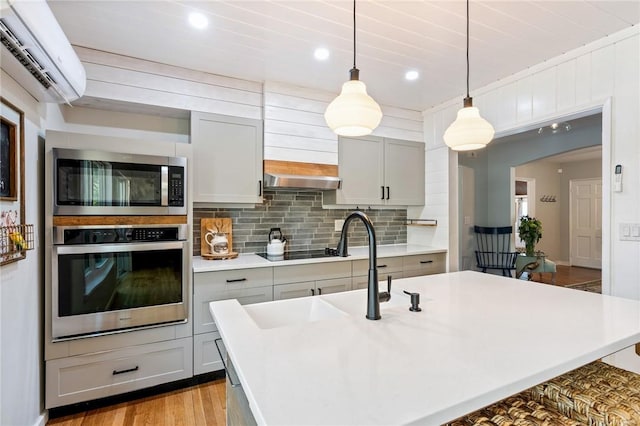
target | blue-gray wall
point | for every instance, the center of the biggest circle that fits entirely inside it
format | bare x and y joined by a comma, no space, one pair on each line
492,166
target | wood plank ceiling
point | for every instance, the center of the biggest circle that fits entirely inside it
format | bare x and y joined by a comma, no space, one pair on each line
275,40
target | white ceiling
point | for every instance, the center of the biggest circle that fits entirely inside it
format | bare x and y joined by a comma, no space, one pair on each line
274,40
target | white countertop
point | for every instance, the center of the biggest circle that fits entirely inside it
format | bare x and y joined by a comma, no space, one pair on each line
479,338
255,261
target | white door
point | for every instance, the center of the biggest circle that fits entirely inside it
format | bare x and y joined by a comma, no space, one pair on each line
586,222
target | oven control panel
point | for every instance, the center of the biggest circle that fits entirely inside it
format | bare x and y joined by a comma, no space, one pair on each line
70,235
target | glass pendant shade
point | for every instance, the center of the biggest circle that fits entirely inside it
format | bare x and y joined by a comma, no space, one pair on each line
469,131
353,112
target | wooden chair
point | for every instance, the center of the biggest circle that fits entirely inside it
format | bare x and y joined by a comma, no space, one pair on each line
494,249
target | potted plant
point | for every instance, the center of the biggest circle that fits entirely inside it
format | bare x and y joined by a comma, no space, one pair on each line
530,231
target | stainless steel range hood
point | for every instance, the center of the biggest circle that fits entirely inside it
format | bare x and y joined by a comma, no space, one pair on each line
321,183
304,176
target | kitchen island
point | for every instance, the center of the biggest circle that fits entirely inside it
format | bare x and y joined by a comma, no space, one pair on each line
479,338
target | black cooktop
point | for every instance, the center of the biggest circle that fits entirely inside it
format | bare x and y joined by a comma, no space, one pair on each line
301,254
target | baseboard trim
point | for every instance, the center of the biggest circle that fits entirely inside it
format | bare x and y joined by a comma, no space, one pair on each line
130,396
562,262
42,419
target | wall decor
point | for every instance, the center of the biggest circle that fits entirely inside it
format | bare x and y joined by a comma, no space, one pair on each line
16,237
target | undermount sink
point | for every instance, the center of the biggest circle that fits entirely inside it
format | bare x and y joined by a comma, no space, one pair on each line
293,311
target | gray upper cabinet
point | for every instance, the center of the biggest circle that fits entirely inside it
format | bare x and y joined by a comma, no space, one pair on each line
404,172
379,171
227,158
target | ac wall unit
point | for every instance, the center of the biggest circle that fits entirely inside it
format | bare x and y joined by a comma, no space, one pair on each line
37,54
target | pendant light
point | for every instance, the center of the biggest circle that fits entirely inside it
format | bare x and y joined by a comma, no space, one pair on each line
353,112
469,131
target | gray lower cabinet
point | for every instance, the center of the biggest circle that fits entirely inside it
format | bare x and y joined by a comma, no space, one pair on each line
311,279
311,288
424,264
98,375
257,285
205,354
252,285
387,266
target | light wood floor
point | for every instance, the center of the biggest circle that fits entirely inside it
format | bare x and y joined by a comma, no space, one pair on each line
578,278
202,404
568,275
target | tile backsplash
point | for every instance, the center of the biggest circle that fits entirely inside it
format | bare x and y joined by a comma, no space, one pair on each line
303,221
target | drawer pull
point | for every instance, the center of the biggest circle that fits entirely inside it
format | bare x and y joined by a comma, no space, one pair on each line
382,266
237,280
129,370
224,364
426,261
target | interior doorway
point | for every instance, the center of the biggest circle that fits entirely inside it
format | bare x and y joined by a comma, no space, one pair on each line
525,204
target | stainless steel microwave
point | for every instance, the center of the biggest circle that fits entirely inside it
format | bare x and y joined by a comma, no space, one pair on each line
108,183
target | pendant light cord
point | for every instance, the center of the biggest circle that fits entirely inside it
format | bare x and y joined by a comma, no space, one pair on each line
467,48
354,33
354,72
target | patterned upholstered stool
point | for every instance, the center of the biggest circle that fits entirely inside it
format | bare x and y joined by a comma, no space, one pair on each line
520,410
596,394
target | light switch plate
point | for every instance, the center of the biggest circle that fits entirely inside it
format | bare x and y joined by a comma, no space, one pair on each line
338,225
630,232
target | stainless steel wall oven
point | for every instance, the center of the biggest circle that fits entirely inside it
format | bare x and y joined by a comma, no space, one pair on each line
107,183
113,278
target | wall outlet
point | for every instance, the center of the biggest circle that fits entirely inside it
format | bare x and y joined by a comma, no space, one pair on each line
338,225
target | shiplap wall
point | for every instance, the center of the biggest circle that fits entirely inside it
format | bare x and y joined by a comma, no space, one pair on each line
603,75
295,129
294,124
121,78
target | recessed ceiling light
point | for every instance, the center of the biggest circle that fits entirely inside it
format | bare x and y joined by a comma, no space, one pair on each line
321,54
198,20
412,75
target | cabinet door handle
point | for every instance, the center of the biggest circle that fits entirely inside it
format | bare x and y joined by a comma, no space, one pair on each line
237,280
382,188
259,188
313,292
382,266
128,370
426,261
319,291
388,192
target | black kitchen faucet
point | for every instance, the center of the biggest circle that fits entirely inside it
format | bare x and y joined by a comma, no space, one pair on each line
374,296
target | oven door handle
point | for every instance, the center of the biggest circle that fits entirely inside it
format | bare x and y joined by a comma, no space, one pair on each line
119,248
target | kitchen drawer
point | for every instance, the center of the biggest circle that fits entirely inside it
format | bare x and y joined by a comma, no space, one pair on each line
336,285
293,290
202,320
424,264
205,355
386,265
362,281
92,376
234,279
311,272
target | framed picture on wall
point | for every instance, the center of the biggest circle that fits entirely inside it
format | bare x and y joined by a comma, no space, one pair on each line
16,237
8,166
